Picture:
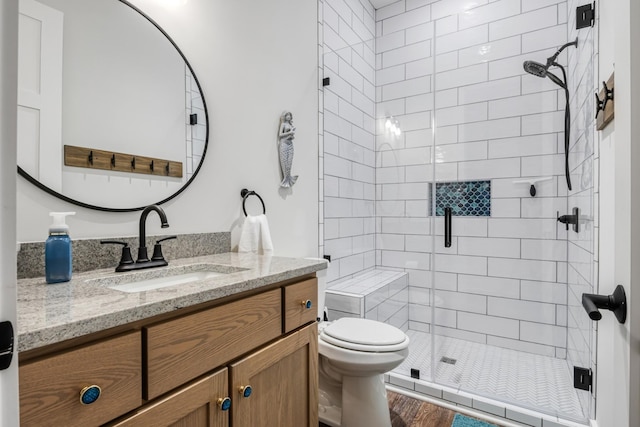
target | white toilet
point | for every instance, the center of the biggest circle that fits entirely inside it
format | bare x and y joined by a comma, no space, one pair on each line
354,355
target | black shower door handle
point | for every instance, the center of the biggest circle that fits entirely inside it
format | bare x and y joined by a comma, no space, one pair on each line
447,227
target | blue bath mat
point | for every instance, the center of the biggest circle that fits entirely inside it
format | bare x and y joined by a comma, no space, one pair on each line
462,421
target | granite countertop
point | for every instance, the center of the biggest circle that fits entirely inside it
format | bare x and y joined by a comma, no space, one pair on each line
51,313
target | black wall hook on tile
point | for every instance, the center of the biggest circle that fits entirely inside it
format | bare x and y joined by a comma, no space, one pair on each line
244,193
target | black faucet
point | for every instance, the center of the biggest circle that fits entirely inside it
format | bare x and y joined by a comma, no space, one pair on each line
142,250
157,260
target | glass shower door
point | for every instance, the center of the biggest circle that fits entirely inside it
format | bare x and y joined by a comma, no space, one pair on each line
500,264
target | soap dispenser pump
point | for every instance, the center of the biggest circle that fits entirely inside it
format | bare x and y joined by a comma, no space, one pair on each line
57,250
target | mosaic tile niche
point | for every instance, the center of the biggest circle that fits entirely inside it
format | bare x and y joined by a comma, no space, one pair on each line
465,198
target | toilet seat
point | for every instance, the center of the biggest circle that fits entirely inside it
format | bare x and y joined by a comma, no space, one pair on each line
364,335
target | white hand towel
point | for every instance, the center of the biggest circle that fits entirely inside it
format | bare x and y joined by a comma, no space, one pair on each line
255,235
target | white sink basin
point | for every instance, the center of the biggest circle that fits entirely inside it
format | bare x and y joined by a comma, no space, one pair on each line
163,282
148,280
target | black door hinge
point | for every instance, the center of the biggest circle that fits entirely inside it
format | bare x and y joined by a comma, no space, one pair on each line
6,344
582,378
585,15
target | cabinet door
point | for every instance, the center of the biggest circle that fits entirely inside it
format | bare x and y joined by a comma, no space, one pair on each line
284,383
194,405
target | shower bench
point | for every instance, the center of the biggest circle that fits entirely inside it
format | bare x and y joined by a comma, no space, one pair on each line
381,295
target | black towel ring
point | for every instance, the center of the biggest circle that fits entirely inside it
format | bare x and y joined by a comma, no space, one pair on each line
244,193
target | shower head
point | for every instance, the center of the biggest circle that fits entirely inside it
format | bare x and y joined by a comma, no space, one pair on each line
535,68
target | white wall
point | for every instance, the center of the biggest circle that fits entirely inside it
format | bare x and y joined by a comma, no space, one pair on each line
254,60
8,116
618,356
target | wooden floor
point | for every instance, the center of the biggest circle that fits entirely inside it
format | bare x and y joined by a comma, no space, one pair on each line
408,412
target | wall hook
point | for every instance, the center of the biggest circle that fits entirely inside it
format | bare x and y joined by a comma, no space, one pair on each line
91,157
166,168
151,166
113,160
532,183
608,96
133,162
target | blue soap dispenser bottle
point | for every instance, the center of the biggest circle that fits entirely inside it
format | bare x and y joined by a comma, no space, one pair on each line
57,250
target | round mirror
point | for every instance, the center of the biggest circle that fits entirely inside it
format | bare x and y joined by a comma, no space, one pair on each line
110,113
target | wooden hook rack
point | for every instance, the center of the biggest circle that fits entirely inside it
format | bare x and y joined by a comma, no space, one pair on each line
109,160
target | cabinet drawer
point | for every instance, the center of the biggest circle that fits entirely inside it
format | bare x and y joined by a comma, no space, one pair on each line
182,349
50,388
296,312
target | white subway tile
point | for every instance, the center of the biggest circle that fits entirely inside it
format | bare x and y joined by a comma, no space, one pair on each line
486,91
522,269
522,310
446,135
543,334
505,208
336,166
523,146
523,23
491,12
461,39
368,71
418,138
487,169
391,10
550,37
405,191
550,250
406,225
464,226
463,114
336,125
461,264
488,325
348,112
405,157
461,152
350,75
385,109
543,165
446,25
418,243
351,227
406,259
523,105
490,129
489,51
419,103
336,207
405,88
463,302
390,41
339,248
532,84
461,77
350,189
543,123
446,98
415,121
524,346
389,208
344,303
417,208
484,285
522,228
462,335
406,54
364,104
405,20
513,188
390,75
419,33
505,248
528,5
419,68
363,138
393,242
446,62
442,9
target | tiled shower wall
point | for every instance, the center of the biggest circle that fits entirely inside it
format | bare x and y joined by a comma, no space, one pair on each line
502,282
582,272
348,28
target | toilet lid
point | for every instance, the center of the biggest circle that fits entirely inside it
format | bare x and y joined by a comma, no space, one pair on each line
365,332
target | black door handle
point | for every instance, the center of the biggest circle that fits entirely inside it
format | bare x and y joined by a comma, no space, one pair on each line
447,227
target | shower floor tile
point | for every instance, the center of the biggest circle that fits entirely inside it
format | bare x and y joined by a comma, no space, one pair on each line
524,379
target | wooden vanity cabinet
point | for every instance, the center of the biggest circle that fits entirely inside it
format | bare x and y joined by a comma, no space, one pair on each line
189,363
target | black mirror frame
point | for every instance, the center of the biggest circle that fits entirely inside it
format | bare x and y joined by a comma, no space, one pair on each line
54,193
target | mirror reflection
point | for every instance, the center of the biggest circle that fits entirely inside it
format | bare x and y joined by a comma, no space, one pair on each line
97,74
